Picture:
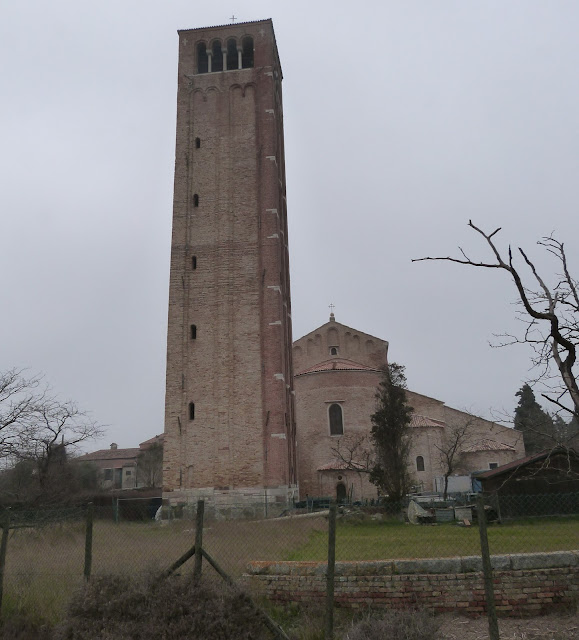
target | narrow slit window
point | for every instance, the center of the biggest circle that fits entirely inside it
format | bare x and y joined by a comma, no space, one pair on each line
419,463
336,420
197,143
194,262
202,58
193,332
195,200
191,411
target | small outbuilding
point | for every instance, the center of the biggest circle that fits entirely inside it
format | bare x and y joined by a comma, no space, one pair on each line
545,483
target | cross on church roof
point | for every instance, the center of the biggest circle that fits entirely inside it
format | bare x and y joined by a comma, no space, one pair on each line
233,18
331,306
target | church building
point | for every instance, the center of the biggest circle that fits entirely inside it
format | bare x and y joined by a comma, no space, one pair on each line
337,372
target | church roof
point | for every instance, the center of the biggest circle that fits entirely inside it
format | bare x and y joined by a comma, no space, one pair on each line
423,421
336,364
488,445
334,323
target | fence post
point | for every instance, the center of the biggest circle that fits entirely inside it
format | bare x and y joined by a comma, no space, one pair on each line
487,569
3,547
88,541
198,540
330,572
116,510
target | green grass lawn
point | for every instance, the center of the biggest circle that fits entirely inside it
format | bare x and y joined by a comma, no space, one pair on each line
383,541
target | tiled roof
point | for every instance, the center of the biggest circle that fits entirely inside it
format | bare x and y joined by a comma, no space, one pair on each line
521,462
110,454
488,445
340,465
423,421
158,439
230,24
336,364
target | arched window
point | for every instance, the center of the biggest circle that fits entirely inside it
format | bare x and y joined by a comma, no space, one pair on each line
336,420
193,332
232,54
202,58
419,463
195,200
333,351
191,411
247,52
217,60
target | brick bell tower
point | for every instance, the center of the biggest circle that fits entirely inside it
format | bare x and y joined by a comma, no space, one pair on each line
229,416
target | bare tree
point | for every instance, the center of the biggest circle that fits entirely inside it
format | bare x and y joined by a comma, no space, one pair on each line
37,427
451,450
150,466
550,313
355,452
384,453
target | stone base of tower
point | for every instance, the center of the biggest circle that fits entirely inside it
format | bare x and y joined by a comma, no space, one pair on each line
230,504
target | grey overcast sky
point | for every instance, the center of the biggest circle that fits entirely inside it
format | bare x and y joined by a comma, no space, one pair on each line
403,119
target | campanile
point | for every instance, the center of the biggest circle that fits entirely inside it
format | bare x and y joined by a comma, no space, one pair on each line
229,415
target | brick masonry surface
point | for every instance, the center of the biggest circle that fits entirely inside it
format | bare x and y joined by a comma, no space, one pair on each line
229,423
525,584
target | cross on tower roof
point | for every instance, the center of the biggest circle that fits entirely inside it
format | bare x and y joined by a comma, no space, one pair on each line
331,306
233,18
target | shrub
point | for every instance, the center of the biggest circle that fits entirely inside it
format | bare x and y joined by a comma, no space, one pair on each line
396,625
122,608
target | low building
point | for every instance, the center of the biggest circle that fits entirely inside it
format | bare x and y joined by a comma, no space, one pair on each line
119,468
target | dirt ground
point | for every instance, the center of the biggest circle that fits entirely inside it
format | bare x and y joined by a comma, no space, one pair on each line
554,627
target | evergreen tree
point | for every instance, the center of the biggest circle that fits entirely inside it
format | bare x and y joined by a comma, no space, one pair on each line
391,434
535,424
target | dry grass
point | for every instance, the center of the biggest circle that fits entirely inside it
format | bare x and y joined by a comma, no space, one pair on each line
553,627
45,565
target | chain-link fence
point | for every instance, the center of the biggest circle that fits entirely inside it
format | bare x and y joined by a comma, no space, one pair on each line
48,553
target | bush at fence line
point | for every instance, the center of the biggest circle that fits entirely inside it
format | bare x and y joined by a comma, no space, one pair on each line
396,625
123,608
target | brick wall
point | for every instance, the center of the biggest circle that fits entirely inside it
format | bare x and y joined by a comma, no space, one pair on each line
229,329
525,584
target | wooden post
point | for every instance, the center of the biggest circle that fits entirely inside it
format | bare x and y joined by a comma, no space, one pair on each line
487,569
330,573
116,510
198,540
88,542
3,547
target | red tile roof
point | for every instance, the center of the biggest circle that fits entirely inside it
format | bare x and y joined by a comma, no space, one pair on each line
158,439
110,454
521,462
336,364
423,421
488,445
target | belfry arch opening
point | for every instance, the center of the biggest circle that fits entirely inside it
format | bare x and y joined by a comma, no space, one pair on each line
217,57
247,52
232,58
202,58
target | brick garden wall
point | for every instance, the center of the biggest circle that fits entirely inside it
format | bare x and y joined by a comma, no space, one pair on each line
525,584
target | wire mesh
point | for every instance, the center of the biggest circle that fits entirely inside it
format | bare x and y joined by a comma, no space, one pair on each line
46,549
